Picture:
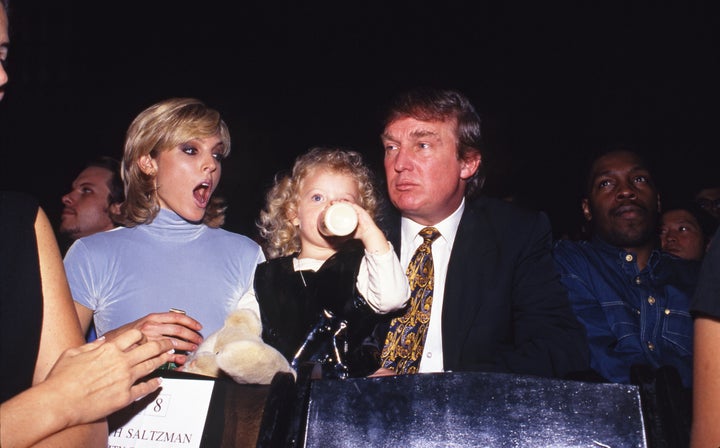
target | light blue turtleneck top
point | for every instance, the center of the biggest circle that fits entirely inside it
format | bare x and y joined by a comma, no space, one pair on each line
127,273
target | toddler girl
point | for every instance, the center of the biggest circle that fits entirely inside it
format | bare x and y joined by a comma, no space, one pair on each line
320,296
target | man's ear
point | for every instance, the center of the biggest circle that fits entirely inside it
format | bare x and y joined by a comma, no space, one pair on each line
114,209
470,164
585,204
147,165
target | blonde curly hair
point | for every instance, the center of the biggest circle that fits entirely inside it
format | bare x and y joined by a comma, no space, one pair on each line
279,236
159,128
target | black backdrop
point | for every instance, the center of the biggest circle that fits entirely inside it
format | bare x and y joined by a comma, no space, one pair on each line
549,80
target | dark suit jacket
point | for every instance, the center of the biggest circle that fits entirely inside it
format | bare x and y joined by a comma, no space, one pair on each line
505,309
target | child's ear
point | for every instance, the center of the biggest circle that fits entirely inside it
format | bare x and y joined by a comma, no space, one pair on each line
295,220
147,165
292,216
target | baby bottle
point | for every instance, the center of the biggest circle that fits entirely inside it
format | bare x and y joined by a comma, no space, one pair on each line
339,219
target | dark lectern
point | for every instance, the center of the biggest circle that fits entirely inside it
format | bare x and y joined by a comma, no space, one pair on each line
238,415
472,410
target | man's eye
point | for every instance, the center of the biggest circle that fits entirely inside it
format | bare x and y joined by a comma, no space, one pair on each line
423,145
683,228
389,147
603,183
641,179
85,190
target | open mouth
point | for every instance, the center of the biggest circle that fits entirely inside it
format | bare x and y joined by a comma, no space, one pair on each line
202,193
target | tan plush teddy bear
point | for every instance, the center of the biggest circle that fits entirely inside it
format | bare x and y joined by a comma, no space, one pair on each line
238,351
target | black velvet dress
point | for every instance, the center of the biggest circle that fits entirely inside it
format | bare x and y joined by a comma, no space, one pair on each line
20,293
319,317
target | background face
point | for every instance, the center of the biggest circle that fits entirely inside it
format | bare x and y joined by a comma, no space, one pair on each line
87,205
681,235
622,205
708,199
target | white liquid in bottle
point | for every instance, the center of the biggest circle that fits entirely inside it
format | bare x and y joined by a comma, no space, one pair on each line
339,219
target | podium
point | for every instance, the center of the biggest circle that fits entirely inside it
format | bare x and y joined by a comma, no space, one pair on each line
198,411
460,409
472,410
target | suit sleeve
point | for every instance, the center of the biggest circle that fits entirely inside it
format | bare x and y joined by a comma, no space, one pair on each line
505,309
548,339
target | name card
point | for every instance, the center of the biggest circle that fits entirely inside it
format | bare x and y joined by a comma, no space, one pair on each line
173,416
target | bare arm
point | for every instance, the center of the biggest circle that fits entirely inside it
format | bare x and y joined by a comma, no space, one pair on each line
706,383
60,331
60,328
66,405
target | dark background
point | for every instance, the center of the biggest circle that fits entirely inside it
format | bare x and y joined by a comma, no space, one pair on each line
551,81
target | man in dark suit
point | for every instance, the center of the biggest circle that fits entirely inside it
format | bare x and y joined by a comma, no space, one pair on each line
498,304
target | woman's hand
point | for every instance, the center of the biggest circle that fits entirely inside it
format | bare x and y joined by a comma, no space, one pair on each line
182,330
101,377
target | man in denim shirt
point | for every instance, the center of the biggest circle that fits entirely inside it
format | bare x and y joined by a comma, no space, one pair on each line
632,298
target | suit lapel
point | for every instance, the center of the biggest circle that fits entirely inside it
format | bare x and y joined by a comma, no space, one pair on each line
474,252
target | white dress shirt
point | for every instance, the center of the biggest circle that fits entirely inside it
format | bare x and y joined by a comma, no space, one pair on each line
432,358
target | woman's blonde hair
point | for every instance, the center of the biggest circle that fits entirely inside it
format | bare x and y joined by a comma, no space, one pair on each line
159,128
279,236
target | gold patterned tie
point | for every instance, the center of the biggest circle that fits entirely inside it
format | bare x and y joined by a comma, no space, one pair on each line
406,336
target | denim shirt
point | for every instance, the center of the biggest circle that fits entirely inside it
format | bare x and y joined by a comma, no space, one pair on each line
631,316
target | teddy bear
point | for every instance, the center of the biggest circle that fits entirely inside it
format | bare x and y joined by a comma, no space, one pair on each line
238,351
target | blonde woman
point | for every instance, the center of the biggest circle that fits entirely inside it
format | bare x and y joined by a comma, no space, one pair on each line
168,272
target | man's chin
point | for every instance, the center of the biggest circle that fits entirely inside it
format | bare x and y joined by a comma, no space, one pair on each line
72,233
404,201
630,237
